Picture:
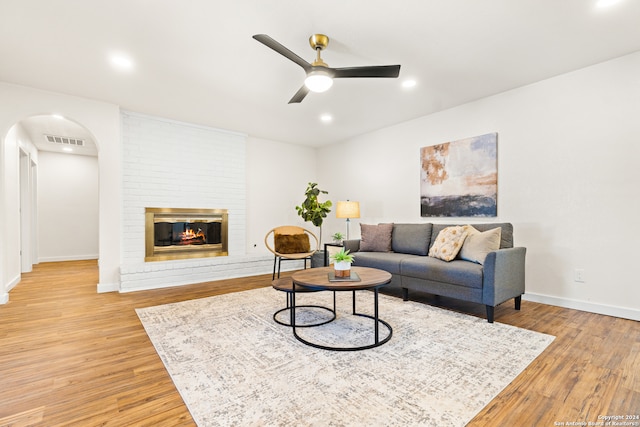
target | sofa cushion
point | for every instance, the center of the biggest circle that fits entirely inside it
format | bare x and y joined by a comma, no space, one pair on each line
375,238
506,239
478,244
448,243
387,261
456,272
411,238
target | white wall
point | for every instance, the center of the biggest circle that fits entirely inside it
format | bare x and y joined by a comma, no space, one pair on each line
10,220
176,164
103,121
16,140
568,176
67,207
27,172
170,164
277,176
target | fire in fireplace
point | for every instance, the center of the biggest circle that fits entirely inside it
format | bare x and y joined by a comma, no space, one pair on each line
178,233
181,232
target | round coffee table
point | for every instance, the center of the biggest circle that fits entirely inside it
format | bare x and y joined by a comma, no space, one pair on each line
319,279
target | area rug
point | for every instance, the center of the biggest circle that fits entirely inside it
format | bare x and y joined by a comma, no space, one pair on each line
234,365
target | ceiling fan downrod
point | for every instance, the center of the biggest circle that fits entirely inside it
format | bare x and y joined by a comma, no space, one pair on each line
319,42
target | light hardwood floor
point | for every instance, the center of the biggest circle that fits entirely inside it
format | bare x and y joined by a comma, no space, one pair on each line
70,356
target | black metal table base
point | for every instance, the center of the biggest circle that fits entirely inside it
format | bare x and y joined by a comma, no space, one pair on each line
306,325
377,322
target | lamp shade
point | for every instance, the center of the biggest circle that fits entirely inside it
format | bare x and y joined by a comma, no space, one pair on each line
348,209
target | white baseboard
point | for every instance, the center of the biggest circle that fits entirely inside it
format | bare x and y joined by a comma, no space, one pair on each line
68,258
12,284
108,287
608,310
4,296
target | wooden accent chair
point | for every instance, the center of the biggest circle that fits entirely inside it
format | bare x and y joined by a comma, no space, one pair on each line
291,243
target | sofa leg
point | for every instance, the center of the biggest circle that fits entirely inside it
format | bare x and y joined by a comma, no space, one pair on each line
405,294
490,310
518,301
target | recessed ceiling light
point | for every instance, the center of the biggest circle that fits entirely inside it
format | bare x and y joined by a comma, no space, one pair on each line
326,118
58,116
601,4
121,62
67,149
408,84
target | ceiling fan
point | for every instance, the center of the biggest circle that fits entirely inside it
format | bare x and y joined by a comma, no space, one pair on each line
319,75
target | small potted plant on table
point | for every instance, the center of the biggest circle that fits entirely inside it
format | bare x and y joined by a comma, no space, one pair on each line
342,263
338,238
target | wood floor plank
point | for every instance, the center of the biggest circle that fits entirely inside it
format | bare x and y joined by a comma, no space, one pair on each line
70,356
24,419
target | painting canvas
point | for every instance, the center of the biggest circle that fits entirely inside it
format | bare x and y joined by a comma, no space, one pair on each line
460,178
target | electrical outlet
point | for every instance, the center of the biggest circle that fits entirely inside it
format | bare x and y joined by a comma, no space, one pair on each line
579,275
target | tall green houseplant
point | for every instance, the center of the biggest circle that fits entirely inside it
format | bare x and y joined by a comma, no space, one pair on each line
312,209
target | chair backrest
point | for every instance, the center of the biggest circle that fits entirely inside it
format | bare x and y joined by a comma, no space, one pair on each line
293,235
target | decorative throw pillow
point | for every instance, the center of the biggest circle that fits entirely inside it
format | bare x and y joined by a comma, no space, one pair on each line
411,238
477,245
291,243
448,243
375,238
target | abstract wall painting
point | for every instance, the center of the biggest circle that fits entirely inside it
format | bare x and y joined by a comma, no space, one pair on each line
460,178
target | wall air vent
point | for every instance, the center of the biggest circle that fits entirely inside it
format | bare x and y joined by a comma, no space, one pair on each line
65,140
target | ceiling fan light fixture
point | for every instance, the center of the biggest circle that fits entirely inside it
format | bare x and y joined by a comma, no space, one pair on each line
318,81
319,75
409,84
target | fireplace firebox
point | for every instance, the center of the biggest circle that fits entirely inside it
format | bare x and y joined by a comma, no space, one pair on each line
179,233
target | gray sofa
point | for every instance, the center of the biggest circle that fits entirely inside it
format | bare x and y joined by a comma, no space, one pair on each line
500,278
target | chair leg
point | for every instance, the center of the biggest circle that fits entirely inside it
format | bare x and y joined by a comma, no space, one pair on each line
273,276
279,261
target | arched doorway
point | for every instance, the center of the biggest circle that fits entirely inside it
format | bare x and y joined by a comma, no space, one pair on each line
58,180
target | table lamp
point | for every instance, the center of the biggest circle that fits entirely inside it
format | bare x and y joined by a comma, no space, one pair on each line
348,210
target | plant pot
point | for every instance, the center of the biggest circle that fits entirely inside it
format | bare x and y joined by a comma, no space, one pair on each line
317,259
342,269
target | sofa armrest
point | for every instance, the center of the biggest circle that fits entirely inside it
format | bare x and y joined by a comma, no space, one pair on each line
351,245
503,275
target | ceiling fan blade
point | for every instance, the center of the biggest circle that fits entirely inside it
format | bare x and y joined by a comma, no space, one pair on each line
269,42
299,96
388,71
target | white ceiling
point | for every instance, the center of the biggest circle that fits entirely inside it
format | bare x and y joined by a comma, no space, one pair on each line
196,60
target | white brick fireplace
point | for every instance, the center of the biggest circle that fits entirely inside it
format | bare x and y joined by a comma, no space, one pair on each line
169,164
